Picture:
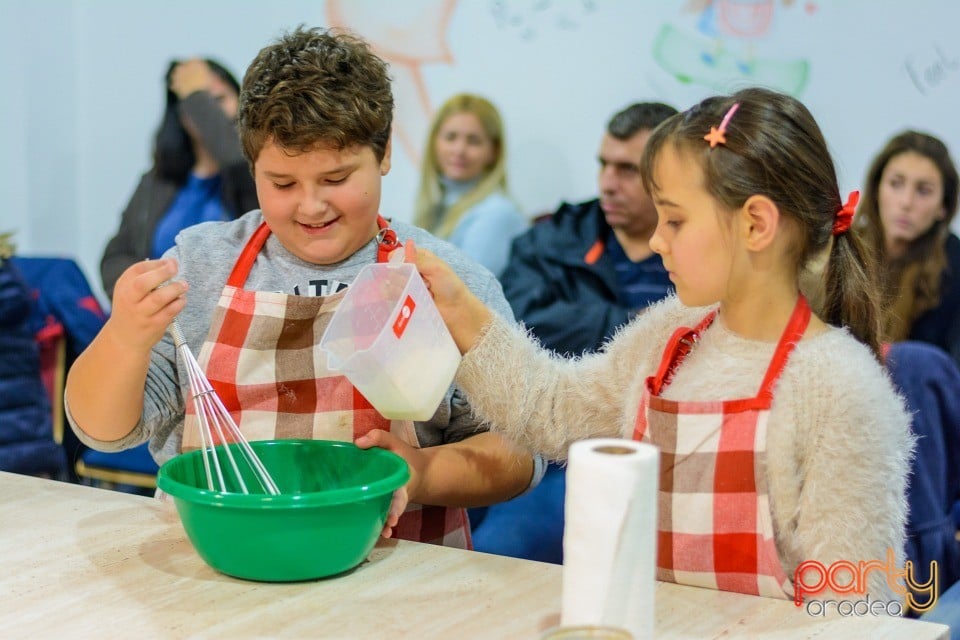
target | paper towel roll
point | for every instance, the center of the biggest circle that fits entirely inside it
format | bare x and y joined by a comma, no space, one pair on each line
609,540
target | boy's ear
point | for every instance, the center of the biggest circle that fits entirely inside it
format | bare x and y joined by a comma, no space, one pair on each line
385,163
761,219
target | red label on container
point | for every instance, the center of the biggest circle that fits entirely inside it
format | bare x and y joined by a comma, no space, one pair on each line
403,318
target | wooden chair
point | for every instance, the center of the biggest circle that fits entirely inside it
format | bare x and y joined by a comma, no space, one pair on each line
52,344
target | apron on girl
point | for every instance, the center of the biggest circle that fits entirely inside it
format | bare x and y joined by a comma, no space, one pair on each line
714,527
263,359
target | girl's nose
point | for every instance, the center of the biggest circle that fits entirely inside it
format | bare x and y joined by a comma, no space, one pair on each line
657,244
907,197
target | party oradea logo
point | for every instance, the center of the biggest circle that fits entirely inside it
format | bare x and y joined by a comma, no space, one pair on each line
845,577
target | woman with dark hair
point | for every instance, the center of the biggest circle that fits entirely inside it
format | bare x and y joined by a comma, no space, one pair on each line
199,172
909,200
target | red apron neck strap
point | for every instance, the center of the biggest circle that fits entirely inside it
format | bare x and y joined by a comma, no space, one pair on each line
386,243
679,345
248,256
683,339
386,240
796,327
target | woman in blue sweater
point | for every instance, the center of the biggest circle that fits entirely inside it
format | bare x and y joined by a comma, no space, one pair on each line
463,185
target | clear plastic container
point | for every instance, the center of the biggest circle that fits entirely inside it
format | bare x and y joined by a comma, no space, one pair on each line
388,339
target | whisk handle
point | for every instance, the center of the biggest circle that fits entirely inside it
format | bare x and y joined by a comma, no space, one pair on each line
176,333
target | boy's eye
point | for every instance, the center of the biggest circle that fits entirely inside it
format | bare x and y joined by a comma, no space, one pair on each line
282,186
337,180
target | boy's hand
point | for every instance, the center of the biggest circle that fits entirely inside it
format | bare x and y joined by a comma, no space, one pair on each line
142,308
397,506
463,313
414,459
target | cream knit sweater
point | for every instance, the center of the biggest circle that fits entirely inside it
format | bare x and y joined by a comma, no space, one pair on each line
839,440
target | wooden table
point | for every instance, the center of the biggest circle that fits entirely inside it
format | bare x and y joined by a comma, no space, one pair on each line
77,562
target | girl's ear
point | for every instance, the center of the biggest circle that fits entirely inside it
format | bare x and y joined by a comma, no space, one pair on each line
760,220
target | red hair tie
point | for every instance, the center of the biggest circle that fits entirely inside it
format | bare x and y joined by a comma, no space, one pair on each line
844,217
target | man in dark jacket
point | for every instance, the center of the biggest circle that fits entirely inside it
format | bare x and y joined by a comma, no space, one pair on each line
574,279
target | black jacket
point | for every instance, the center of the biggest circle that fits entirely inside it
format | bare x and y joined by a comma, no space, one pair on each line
941,325
571,305
153,196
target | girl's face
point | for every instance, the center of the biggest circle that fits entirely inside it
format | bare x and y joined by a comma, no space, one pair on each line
464,150
321,204
695,246
910,198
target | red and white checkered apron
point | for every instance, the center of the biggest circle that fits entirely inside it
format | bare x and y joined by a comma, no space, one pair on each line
263,359
713,509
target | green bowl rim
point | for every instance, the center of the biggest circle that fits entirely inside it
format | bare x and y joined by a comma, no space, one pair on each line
196,495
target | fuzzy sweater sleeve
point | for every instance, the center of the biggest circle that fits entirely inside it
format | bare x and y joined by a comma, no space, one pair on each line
853,446
545,402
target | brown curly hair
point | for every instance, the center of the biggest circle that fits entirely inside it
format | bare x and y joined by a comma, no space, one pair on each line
315,88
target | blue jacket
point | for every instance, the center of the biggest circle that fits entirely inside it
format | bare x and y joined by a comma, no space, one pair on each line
930,383
26,439
562,284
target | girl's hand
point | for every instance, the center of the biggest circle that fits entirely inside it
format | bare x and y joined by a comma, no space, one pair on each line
142,308
463,313
414,459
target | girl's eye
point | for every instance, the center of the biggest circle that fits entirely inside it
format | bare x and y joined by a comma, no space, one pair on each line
281,187
673,223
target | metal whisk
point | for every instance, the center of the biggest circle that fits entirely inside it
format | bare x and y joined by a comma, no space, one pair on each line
214,419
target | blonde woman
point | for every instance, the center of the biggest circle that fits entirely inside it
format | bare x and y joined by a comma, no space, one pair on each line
463,186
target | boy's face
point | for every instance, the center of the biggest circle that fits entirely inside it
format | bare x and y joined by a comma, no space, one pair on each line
321,204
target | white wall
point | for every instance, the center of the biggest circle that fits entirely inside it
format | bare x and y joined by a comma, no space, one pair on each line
81,85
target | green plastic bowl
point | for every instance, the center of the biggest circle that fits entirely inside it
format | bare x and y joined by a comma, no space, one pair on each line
332,506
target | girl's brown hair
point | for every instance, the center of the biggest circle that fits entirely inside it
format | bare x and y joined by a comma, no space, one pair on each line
774,148
911,283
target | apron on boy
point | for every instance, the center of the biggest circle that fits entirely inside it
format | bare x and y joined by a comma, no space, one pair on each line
263,359
714,526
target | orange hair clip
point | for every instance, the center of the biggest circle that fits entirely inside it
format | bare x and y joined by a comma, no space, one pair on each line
717,135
